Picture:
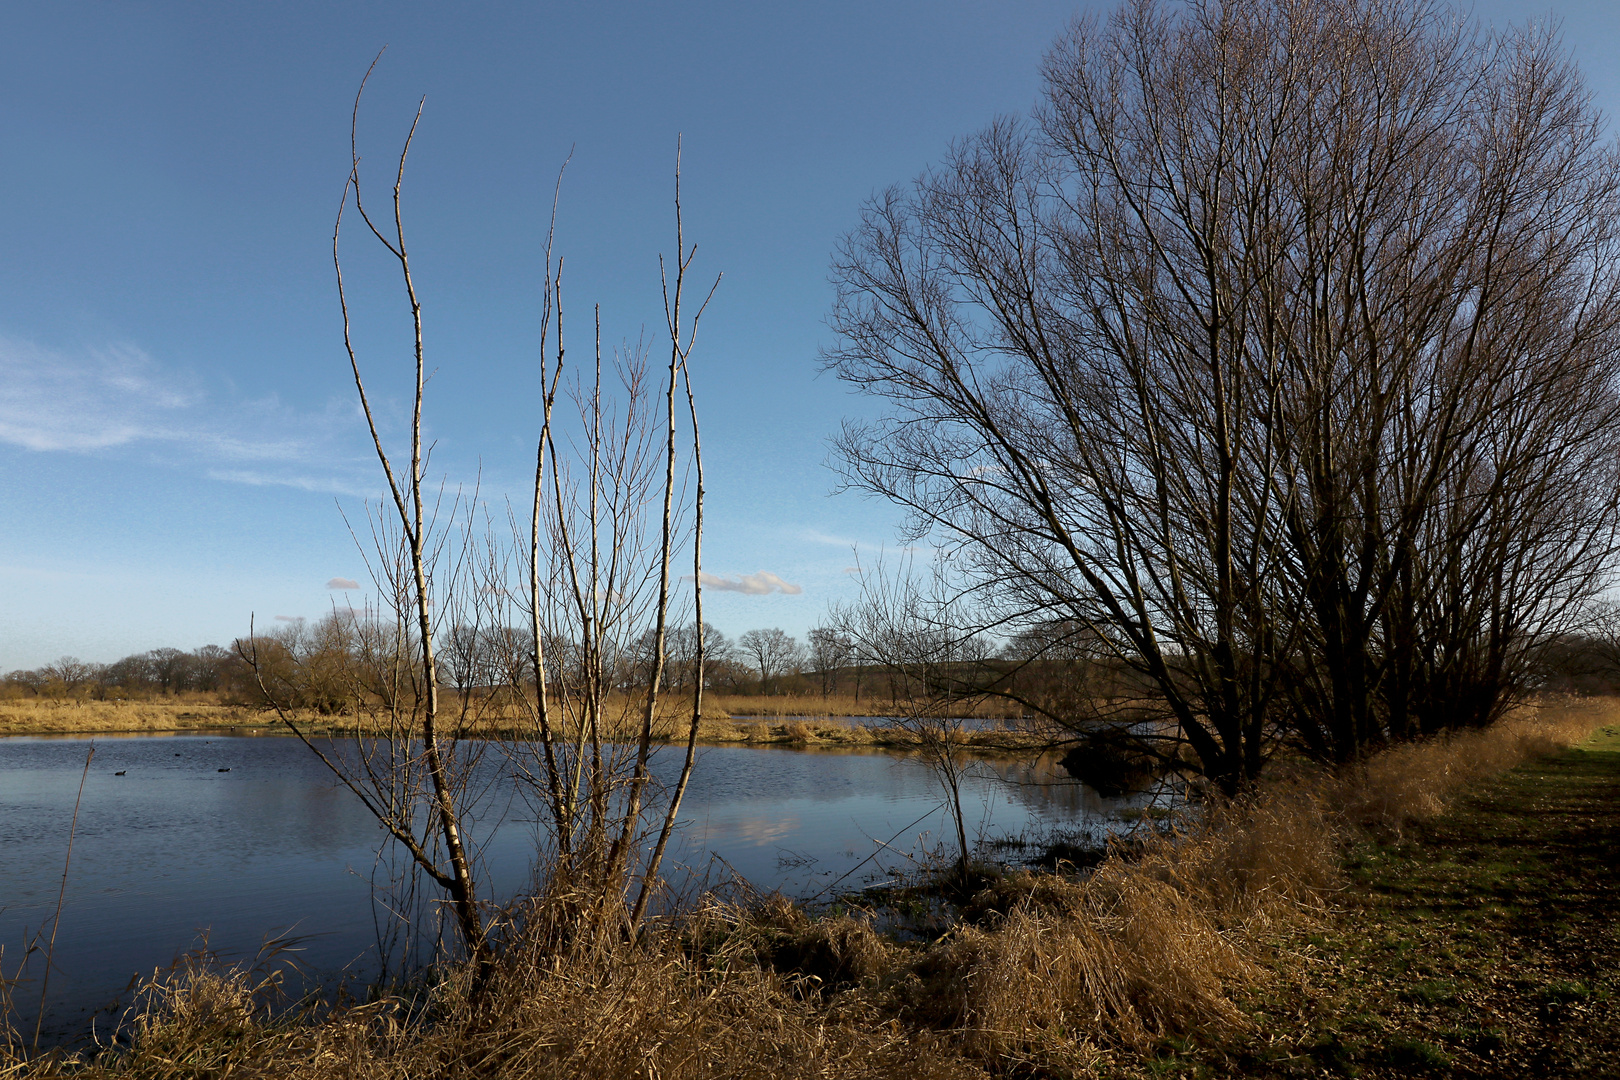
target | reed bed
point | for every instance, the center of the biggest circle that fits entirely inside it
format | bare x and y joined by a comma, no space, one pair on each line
834,706
623,717
49,716
1044,975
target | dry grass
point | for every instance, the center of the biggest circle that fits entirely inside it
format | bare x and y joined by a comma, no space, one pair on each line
45,716
1155,944
1418,781
1062,977
662,1010
786,722
835,706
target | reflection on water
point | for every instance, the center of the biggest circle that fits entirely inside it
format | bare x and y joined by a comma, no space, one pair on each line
175,849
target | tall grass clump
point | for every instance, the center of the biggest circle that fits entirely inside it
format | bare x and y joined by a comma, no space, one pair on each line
687,1001
1414,781
1158,941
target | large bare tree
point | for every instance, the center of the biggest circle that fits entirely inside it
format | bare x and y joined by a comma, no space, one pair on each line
1277,350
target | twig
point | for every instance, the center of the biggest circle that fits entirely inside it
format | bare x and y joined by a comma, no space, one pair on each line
882,846
56,920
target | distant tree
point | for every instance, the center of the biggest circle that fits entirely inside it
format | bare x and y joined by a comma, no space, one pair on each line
773,653
829,652
508,653
33,680
70,674
209,663
462,660
682,653
129,675
170,669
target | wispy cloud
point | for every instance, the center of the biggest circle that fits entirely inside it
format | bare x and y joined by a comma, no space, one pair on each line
759,584
289,618
330,485
816,536
342,583
97,400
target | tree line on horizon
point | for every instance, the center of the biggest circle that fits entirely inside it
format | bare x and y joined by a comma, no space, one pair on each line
763,662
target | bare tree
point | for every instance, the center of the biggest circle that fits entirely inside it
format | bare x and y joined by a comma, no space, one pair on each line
774,654
682,648
1229,355
401,765
590,570
598,597
70,673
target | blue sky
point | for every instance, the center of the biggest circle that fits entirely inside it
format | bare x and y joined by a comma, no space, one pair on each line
177,429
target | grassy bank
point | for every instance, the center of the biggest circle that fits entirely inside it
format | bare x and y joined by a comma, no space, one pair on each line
1432,913
818,707
1481,942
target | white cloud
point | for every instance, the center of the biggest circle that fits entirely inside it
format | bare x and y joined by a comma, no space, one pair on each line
758,584
104,399
342,583
289,618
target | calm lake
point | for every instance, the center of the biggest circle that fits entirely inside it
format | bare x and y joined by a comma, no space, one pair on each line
176,852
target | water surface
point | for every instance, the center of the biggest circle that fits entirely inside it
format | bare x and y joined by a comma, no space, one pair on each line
176,853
